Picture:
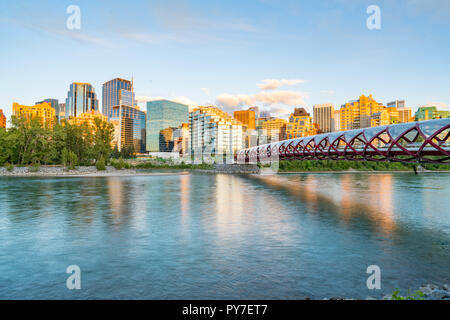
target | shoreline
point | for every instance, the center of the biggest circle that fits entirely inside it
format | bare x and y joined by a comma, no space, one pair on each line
91,171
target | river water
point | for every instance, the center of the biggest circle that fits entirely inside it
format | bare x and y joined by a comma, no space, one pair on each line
215,236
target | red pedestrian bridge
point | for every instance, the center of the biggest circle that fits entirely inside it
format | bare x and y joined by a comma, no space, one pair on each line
424,141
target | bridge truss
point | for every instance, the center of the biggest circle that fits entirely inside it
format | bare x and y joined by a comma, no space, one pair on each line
424,141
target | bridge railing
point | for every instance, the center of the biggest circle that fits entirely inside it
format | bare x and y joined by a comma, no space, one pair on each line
424,141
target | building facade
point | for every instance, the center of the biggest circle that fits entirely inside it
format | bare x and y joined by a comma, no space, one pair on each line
214,132
405,115
429,113
2,119
357,114
300,124
162,114
88,118
44,112
113,96
130,128
396,104
324,117
275,129
246,117
80,99
55,105
337,120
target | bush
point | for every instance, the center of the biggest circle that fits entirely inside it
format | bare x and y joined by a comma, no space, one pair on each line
120,164
9,167
69,159
34,168
101,164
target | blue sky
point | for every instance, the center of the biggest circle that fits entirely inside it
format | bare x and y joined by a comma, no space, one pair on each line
272,53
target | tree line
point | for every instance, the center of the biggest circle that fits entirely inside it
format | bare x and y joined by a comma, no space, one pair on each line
30,142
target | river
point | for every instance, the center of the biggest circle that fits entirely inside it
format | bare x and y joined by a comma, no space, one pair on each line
216,236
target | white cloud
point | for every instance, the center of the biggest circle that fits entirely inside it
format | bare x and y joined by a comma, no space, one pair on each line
265,98
205,90
272,84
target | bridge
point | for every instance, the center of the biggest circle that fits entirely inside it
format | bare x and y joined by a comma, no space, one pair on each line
424,141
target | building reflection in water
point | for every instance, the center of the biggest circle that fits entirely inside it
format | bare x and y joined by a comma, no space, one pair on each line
373,201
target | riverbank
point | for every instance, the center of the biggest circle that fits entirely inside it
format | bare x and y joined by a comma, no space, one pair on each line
145,170
85,171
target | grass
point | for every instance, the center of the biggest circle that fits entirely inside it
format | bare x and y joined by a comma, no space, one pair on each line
344,165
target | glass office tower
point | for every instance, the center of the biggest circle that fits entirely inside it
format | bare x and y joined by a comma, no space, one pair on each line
80,99
162,114
132,129
112,91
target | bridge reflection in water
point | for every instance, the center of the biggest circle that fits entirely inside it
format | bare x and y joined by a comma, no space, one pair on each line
425,141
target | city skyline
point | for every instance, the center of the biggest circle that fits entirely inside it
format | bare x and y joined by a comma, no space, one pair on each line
212,54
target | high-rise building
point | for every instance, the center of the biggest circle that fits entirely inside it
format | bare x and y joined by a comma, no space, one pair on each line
381,118
337,120
429,113
275,129
88,118
112,95
324,116
163,114
62,111
396,104
300,124
214,132
405,115
55,105
44,112
130,128
357,114
246,117
2,119
80,99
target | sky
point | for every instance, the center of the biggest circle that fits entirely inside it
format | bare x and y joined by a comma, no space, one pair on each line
276,54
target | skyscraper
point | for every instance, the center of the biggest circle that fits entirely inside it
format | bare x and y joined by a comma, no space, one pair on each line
357,114
324,116
163,114
246,117
300,124
112,95
129,128
80,99
214,132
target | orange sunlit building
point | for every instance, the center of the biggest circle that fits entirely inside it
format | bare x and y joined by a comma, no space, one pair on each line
357,114
88,117
300,124
42,111
275,128
247,117
2,119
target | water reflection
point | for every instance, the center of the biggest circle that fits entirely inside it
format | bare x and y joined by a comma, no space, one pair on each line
222,236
